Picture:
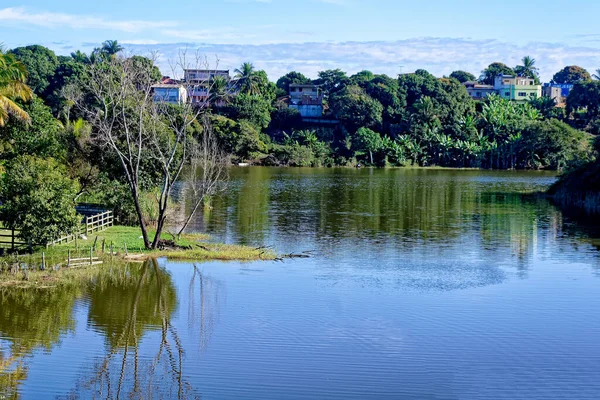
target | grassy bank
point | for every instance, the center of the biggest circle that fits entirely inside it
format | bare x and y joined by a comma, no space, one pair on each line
127,246
579,189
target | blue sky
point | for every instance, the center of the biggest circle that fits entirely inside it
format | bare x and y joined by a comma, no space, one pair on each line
385,36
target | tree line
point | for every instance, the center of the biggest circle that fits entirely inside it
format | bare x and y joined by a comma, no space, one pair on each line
84,128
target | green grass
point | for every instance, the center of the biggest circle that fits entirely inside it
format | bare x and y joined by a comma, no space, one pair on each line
121,236
56,256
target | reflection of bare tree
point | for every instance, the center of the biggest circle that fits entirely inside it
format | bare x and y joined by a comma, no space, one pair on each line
12,373
124,372
203,306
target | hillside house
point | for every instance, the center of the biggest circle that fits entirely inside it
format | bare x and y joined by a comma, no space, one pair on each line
517,88
478,91
307,99
174,93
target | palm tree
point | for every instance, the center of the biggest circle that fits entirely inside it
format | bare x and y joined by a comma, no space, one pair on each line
245,77
111,47
528,69
13,78
597,75
219,91
80,57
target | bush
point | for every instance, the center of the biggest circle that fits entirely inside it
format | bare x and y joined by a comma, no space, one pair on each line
285,118
39,199
555,145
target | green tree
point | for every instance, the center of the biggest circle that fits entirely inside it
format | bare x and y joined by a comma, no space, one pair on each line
554,144
220,93
570,75
255,109
463,76
489,74
292,77
368,141
68,71
41,64
145,64
356,109
285,118
362,77
585,97
547,107
447,105
332,80
13,78
386,90
80,57
39,199
43,137
246,79
111,48
241,139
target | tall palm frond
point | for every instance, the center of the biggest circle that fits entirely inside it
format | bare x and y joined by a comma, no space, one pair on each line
111,47
13,76
528,69
597,75
219,91
245,78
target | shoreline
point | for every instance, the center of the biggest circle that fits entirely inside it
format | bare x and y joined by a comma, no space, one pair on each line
50,267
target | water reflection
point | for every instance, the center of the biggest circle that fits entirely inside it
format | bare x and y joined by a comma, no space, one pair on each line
124,306
132,308
30,320
437,206
204,298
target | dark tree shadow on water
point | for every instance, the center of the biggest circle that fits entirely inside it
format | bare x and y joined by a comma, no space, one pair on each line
130,370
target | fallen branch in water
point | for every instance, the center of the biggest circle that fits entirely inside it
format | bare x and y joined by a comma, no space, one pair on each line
304,254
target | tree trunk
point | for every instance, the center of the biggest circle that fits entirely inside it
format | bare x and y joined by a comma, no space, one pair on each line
189,217
159,226
140,216
371,154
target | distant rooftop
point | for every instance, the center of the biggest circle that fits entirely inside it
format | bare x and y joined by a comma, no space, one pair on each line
167,85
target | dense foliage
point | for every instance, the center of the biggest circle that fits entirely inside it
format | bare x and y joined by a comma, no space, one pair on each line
368,119
39,199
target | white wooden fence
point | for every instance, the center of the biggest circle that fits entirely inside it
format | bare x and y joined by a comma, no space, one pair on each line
94,223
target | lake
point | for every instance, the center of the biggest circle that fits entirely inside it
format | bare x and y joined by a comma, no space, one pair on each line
422,284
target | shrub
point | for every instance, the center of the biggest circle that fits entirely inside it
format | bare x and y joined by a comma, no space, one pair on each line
39,199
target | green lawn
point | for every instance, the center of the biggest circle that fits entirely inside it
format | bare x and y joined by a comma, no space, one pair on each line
56,256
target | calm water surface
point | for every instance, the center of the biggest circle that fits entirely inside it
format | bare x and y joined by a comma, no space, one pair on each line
424,284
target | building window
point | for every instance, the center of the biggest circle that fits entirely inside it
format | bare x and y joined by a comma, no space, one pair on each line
532,94
507,94
478,94
506,81
522,94
300,89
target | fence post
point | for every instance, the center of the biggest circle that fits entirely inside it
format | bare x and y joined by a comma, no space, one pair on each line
12,246
86,226
126,249
43,261
91,250
69,258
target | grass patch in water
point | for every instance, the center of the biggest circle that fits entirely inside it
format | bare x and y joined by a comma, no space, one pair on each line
57,273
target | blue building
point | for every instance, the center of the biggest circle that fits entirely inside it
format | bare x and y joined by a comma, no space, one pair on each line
557,91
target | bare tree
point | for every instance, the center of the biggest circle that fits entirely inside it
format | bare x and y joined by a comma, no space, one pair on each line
116,96
208,170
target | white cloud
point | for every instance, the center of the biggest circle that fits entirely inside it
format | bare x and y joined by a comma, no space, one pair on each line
439,56
62,20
